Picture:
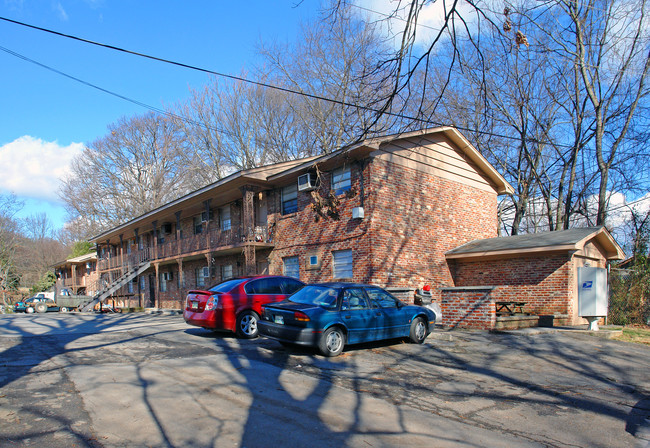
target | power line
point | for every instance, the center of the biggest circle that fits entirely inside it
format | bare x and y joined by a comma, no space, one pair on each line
256,83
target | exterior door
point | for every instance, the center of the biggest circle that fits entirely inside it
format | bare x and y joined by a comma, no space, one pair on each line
358,317
151,300
392,320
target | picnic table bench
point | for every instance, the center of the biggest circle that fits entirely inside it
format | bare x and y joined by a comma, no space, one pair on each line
510,307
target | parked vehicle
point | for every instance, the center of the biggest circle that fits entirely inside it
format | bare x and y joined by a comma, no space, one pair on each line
235,304
70,302
331,315
38,304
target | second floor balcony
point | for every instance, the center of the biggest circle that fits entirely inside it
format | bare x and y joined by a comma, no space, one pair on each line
208,241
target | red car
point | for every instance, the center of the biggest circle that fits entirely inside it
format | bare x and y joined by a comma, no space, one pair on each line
236,304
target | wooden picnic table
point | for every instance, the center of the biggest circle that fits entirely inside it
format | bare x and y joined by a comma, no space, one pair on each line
510,307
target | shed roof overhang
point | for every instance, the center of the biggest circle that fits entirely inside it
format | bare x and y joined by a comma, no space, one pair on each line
538,244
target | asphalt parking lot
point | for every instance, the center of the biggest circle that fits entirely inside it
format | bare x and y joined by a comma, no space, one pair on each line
150,380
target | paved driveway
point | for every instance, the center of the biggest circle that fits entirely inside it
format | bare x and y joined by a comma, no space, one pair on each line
150,380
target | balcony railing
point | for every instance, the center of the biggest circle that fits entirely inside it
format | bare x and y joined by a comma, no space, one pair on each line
212,240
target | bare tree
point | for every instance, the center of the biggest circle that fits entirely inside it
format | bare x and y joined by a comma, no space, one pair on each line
38,249
334,67
9,244
137,167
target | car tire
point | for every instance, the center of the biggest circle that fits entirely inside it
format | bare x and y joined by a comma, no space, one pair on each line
40,308
332,342
247,324
418,331
63,309
29,309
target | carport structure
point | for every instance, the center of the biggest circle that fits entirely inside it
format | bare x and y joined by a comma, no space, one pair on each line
539,270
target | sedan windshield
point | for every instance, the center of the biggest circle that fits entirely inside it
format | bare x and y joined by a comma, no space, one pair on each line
228,285
317,295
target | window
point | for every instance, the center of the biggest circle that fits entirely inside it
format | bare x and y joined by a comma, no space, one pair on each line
226,271
289,285
291,267
163,281
198,225
201,275
290,199
143,283
129,287
341,180
342,263
381,299
224,218
353,299
269,285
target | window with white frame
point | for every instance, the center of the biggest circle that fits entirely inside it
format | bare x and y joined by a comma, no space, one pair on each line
342,263
226,271
290,199
341,180
143,283
291,267
224,218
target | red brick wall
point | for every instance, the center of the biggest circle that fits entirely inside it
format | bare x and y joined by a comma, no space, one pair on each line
411,220
299,234
416,218
468,308
543,282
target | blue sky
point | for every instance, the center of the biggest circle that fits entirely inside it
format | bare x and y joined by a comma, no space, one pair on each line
46,118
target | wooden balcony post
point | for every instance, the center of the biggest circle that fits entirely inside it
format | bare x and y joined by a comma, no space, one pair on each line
181,274
178,231
157,281
206,229
154,224
122,253
74,279
248,227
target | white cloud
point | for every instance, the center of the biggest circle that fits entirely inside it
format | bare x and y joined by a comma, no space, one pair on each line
58,8
33,168
430,19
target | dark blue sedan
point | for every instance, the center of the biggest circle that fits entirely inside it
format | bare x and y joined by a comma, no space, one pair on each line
332,315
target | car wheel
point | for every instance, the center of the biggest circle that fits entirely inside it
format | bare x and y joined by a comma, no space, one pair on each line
63,309
418,331
247,325
40,308
29,309
332,342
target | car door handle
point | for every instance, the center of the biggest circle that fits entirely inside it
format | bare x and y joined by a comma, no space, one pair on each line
347,316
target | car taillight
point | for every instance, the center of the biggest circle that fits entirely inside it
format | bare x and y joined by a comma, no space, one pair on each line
211,303
300,316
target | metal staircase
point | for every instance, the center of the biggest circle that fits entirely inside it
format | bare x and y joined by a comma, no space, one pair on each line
110,288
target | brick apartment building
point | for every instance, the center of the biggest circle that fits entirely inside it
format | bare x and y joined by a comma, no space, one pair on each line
78,275
388,211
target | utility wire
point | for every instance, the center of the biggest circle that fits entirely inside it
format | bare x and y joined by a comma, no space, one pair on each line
262,84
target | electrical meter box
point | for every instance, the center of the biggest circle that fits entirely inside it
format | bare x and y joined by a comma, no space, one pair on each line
592,292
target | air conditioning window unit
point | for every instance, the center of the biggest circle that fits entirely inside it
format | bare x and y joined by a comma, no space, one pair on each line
307,182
